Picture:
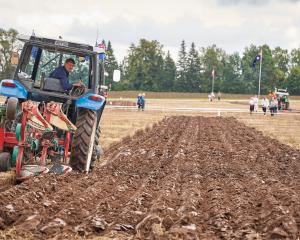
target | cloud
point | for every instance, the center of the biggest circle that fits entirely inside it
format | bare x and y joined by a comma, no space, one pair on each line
254,2
231,24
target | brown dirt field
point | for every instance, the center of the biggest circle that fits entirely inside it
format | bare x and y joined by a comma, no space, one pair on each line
185,178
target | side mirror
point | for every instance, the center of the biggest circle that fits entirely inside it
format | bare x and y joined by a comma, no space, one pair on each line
14,60
117,76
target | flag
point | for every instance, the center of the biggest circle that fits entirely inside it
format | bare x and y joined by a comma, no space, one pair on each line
34,51
258,58
102,45
102,55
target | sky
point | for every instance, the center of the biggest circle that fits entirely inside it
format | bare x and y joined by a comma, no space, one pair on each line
230,24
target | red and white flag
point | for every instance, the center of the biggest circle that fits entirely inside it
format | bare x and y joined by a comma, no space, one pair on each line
102,45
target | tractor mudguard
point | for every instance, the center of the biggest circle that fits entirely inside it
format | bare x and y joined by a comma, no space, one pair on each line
91,101
13,88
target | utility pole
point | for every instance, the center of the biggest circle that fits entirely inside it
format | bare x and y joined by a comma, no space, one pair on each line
213,80
260,69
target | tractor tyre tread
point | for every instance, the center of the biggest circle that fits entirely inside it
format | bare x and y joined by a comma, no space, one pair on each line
81,139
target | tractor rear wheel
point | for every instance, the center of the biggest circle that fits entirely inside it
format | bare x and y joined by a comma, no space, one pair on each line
97,151
84,140
5,163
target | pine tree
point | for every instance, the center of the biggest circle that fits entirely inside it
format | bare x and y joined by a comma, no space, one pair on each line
181,79
169,74
193,70
111,64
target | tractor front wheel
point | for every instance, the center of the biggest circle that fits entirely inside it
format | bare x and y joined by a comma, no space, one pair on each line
84,140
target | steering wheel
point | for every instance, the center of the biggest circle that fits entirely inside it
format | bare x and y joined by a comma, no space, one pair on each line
77,91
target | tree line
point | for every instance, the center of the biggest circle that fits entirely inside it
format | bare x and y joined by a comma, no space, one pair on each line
148,67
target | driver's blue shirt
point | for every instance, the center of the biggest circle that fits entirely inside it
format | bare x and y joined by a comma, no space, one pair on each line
62,74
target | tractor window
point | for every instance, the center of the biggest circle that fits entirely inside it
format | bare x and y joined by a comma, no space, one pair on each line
26,69
29,67
41,62
82,68
51,60
48,62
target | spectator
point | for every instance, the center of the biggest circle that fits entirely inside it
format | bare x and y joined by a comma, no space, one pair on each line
251,102
212,96
286,103
273,106
139,101
255,99
143,101
219,96
264,105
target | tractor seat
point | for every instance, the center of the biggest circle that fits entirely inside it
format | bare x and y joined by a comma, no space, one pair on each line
53,85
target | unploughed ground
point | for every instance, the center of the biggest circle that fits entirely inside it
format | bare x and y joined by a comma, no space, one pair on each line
184,178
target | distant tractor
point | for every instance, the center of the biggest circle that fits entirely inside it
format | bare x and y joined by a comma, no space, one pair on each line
282,96
42,127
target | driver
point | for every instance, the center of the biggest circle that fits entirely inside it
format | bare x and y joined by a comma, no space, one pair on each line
62,73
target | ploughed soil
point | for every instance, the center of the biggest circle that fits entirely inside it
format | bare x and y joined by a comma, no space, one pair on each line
186,178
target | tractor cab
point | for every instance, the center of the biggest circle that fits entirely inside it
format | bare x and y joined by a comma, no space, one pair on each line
40,56
40,122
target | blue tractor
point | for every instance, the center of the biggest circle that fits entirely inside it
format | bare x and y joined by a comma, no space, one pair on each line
43,125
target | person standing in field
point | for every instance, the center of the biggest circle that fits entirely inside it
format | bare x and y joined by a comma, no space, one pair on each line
219,96
255,99
143,101
251,103
212,96
139,101
264,105
286,103
273,106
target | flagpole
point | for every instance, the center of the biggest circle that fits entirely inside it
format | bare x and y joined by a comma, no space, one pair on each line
260,70
97,36
213,81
